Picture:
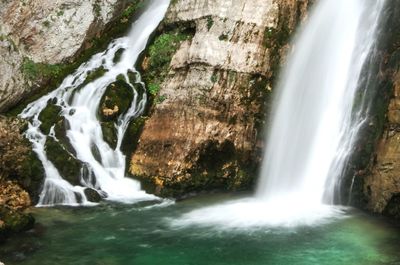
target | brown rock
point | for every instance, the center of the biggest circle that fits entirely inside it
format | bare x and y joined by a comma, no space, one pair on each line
215,95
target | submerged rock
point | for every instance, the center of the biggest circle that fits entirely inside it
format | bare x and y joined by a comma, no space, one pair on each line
210,97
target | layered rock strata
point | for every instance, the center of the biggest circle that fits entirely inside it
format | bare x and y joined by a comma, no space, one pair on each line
205,129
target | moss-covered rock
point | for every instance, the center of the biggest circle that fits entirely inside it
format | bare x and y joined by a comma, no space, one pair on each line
49,116
109,133
68,166
17,160
115,101
92,195
392,209
12,221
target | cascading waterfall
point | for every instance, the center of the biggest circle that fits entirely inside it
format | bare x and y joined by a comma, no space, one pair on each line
314,123
103,167
313,130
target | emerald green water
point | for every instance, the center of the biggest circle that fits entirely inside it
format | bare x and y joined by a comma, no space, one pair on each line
124,234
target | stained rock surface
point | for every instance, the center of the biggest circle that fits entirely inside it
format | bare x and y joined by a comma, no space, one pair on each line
37,35
205,129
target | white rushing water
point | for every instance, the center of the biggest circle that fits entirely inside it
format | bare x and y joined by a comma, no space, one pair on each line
313,125
79,104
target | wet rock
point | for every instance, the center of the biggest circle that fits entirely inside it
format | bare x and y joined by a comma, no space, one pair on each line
210,93
116,101
38,37
14,221
392,208
377,182
92,195
68,166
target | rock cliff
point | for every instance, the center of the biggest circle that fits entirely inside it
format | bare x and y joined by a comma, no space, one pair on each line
38,37
212,93
374,179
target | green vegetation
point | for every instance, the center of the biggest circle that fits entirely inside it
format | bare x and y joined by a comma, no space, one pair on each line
49,116
276,37
223,37
214,78
210,22
119,96
153,89
66,164
35,71
46,23
159,58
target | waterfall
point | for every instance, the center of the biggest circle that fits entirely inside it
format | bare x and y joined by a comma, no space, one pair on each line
313,125
78,99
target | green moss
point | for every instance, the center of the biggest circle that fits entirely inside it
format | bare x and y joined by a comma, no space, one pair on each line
109,133
210,22
49,116
159,56
164,47
160,99
223,37
34,71
153,89
51,76
15,221
97,8
66,164
132,8
214,78
117,95
31,176
99,72
46,23
132,135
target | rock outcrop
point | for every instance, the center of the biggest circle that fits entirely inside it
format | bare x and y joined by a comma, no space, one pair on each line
374,181
17,170
206,123
382,187
37,36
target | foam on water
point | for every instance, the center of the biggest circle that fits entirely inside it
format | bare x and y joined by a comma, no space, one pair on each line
103,166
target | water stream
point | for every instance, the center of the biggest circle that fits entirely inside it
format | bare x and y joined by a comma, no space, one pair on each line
79,102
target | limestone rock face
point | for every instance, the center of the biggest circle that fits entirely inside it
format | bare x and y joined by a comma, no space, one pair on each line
44,31
384,182
381,183
205,133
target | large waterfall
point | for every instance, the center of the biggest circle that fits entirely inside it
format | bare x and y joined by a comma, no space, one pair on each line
314,123
78,99
312,127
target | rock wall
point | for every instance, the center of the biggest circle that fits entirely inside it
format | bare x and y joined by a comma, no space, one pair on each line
37,35
205,128
382,186
374,181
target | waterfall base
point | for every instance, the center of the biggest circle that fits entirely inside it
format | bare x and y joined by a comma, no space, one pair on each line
253,213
